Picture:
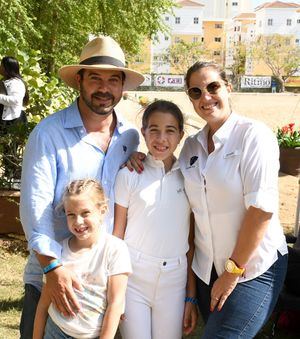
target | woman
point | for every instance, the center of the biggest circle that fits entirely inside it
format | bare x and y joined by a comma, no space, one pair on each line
16,93
231,171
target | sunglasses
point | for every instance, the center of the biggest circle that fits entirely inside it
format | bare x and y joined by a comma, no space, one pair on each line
196,92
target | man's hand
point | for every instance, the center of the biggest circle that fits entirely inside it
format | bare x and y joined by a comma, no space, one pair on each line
135,162
60,284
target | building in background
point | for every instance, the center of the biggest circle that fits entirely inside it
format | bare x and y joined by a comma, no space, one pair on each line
222,26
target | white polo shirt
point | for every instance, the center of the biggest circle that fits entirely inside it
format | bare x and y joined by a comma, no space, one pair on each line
158,209
241,172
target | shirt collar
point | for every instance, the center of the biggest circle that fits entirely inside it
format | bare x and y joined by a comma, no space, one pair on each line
72,118
222,134
159,163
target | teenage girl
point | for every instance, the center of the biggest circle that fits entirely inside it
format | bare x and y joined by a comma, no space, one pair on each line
101,263
152,215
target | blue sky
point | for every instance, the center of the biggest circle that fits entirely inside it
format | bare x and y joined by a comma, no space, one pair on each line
256,3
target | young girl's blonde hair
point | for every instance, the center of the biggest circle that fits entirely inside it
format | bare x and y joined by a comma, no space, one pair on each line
83,186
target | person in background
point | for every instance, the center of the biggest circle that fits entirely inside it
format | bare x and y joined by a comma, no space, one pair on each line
88,139
101,262
16,93
153,216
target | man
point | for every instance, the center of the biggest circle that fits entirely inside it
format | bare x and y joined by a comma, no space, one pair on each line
87,139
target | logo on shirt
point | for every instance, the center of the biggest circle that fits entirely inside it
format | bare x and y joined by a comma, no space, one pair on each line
124,148
193,160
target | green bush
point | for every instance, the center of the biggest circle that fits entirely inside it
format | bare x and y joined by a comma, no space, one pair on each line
46,96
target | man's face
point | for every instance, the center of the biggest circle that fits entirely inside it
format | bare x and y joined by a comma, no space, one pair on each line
100,90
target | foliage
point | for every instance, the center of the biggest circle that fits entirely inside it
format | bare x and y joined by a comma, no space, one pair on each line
288,136
279,53
46,95
60,28
239,60
183,54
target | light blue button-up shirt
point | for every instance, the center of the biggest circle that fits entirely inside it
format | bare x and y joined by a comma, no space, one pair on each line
58,151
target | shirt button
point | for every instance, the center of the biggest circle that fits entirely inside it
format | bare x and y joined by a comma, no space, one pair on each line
164,263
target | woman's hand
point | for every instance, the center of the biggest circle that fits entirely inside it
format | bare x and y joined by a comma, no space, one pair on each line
135,162
222,289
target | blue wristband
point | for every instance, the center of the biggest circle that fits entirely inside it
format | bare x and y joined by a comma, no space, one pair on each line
54,264
191,300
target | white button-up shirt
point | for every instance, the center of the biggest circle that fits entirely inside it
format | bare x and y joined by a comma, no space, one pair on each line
241,172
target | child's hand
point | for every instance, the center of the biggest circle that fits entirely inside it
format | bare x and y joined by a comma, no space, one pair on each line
135,162
190,317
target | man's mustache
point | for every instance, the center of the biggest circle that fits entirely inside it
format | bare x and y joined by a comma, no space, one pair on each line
103,96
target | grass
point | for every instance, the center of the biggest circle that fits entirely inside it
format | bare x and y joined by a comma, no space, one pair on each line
12,261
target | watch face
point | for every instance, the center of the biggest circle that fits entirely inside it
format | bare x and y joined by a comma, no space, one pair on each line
229,266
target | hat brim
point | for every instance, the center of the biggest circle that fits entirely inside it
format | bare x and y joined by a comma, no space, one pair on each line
132,78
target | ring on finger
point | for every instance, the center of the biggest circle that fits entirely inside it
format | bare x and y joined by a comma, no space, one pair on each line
216,298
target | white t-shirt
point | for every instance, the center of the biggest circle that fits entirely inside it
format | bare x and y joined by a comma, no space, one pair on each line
158,209
241,172
109,256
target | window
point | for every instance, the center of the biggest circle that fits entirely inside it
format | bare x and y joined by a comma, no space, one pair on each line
196,20
166,38
176,60
217,53
202,39
217,39
195,39
270,22
298,21
167,18
289,22
297,41
177,20
234,4
218,25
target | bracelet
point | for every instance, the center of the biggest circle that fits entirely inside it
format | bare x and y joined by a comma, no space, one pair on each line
192,300
52,266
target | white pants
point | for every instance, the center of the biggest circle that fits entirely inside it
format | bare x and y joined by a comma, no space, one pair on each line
155,298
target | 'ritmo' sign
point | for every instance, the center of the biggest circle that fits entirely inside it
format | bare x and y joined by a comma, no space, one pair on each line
255,82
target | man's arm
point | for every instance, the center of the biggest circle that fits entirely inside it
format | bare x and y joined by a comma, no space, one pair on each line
39,175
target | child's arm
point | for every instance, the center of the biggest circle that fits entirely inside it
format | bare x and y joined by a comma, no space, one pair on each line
41,315
190,310
115,305
120,221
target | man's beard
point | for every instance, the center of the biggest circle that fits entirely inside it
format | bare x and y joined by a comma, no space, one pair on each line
99,108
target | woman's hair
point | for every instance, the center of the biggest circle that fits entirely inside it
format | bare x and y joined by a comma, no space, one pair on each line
84,186
163,106
12,70
205,64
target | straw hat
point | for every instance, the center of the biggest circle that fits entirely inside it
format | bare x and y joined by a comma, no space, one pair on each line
101,53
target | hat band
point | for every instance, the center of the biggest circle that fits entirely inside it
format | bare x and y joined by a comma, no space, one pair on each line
105,60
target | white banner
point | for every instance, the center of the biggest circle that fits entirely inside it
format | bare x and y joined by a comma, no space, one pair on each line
255,82
169,80
147,81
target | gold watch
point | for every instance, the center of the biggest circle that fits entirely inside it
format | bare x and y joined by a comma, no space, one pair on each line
232,267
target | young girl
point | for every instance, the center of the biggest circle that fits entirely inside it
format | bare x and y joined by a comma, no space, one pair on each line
100,261
152,215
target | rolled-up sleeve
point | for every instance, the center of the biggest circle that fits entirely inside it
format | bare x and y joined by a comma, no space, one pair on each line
39,173
15,94
259,169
